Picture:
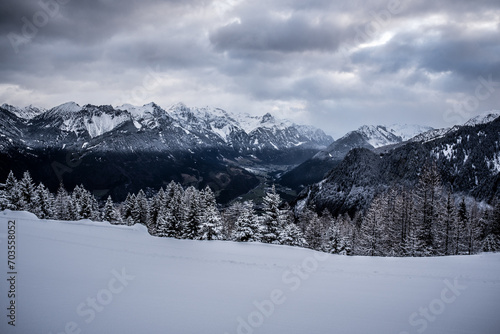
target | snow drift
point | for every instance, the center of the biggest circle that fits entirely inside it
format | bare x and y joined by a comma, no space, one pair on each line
89,277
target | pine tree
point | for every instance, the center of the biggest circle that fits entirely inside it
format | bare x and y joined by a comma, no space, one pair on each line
61,203
292,235
76,203
156,210
88,205
491,243
27,193
3,200
109,213
495,218
127,208
247,227
335,243
193,209
348,234
371,239
211,225
427,205
461,228
230,216
449,221
174,210
473,230
140,210
12,192
272,217
43,202
314,234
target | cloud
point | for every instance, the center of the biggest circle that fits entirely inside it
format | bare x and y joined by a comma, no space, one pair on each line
337,65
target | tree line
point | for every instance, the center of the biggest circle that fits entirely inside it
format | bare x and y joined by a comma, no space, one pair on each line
425,220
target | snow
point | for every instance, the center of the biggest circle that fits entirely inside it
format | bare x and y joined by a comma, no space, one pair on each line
381,135
222,132
100,278
137,125
432,135
27,113
494,164
377,136
67,108
484,118
98,125
448,152
139,113
407,131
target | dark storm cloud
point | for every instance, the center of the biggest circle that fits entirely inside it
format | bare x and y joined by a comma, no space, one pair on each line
294,34
314,61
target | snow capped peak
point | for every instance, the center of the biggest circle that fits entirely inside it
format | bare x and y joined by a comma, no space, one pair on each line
268,118
9,107
68,107
382,135
408,131
139,113
26,113
484,118
206,126
377,135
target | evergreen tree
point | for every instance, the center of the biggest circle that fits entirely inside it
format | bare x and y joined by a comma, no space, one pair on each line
43,203
247,227
335,243
461,228
292,235
61,204
371,238
473,230
126,209
109,213
193,210
3,200
348,234
272,217
428,207
314,234
449,221
491,243
156,210
211,225
140,210
27,193
12,192
73,209
495,218
174,210
230,216
88,205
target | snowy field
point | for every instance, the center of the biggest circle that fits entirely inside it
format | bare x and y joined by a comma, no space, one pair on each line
86,277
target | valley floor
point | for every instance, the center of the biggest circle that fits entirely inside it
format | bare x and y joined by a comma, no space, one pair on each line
89,277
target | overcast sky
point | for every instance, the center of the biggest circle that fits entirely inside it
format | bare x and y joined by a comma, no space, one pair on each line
333,64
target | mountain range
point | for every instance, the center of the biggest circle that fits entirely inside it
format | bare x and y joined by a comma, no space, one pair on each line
116,150
467,159
122,149
368,136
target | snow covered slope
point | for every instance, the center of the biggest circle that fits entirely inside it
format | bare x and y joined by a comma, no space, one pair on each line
408,131
25,113
86,277
485,117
